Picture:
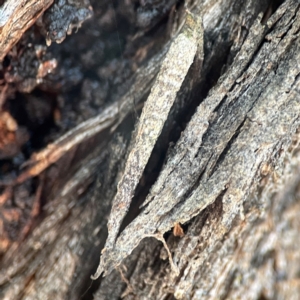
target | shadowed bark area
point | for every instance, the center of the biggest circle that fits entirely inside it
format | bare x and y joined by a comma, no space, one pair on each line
225,168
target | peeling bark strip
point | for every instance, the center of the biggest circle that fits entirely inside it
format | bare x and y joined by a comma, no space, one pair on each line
155,112
16,17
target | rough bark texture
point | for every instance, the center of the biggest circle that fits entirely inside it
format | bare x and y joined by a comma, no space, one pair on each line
226,166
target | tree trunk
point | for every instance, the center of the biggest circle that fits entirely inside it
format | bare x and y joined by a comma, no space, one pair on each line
225,168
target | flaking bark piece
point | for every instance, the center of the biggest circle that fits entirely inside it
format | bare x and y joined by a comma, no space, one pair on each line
63,16
155,112
15,18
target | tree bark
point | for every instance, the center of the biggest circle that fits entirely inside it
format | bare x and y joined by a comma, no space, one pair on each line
226,167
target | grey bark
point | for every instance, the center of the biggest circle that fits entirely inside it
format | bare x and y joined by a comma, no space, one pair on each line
239,173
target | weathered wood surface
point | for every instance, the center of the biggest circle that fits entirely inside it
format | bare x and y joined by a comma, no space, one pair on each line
231,177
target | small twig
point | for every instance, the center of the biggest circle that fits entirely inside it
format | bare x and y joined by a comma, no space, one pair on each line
42,160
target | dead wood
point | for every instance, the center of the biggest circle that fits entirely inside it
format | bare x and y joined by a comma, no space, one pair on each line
225,170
